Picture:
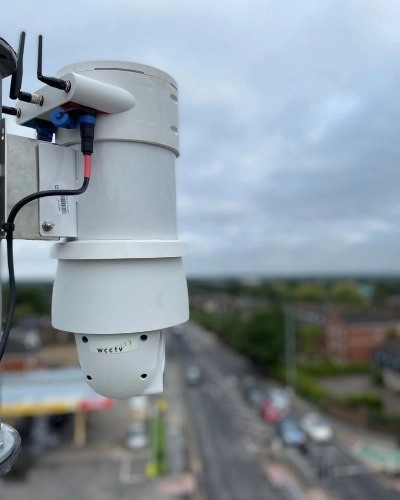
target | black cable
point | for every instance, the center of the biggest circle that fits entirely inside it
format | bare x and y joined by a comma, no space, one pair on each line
44,194
8,227
12,297
65,111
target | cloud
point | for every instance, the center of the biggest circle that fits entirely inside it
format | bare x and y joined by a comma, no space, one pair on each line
288,117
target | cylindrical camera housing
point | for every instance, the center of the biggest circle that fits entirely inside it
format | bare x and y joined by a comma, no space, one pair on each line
123,273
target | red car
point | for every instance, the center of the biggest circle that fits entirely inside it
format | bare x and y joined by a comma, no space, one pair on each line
269,413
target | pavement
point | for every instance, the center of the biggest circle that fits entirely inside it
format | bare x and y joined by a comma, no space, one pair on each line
180,481
378,451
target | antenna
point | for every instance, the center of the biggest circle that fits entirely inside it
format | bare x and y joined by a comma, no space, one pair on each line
51,81
16,79
11,111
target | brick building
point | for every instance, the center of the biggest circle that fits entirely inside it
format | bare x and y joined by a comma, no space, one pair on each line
350,334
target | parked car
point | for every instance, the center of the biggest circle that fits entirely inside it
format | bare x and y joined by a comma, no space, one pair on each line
254,396
316,428
193,375
137,435
280,398
269,412
291,434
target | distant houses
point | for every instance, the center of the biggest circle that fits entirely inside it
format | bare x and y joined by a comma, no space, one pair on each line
225,303
28,342
23,350
350,333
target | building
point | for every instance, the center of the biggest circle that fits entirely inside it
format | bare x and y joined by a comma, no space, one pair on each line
23,350
350,334
51,391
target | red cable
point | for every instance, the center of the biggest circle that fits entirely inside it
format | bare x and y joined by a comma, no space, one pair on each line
88,166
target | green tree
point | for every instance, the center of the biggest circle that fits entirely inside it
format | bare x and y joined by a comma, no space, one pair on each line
23,310
263,337
346,292
308,292
310,340
31,299
280,291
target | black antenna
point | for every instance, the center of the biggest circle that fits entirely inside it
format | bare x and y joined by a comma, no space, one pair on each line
16,79
51,81
11,111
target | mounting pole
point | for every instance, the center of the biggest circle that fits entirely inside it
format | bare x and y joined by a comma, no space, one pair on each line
10,442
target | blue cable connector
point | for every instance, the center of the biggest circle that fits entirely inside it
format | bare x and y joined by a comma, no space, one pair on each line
60,118
44,133
70,119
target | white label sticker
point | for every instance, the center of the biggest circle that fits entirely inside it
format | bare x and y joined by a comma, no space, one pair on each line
61,202
113,347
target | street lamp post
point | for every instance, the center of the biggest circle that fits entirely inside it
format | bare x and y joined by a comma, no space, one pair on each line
290,347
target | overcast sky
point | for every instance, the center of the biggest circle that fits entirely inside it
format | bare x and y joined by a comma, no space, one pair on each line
289,122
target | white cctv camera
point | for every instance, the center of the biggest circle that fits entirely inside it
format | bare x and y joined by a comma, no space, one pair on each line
120,280
117,308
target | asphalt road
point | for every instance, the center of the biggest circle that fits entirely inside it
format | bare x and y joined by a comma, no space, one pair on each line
227,438
232,438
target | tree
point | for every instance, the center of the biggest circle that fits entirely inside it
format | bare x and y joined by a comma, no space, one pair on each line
31,299
310,340
263,337
308,292
346,292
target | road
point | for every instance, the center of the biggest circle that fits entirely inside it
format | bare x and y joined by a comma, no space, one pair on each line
349,479
227,438
234,442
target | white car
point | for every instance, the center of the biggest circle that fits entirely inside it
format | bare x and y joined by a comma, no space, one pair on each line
280,399
316,428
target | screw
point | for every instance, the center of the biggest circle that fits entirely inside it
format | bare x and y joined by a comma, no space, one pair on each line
48,226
